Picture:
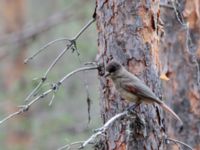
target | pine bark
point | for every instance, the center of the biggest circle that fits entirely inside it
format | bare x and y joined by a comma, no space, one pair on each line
129,32
180,50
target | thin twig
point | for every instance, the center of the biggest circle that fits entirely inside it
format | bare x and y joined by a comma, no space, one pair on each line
56,60
70,45
48,70
24,108
43,48
75,71
83,29
103,129
11,116
69,146
38,91
34,90
182,143
51,101
85,83
61,39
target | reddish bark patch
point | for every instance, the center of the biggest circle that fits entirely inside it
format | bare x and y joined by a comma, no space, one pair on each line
120,145
194,98
136,67
197,147
192,13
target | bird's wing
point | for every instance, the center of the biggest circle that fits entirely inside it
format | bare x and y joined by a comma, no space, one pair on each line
138,88
141,90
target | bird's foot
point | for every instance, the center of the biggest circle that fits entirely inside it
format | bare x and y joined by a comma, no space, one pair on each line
180,128
131,109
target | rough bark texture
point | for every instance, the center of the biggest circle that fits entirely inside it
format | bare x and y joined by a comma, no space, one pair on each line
128,32
178,51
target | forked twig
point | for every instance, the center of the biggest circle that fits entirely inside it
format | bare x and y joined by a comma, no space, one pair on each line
69,46
24,108
43,48
44,78
34,90
60,39
103,129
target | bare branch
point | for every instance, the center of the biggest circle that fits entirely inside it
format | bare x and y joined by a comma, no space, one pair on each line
71,45
46,73
72,41
56,60
24,108
75,71
69,146
83,29
11,116
103,129
43,48
51,101
34,90
179,142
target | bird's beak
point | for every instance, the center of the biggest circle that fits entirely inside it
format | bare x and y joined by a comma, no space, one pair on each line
107,74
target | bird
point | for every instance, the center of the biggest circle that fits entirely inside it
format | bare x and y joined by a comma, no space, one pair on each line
132,89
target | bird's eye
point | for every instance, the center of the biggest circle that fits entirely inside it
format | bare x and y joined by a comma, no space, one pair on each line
112,69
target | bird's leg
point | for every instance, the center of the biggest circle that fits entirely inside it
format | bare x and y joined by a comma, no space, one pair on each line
132,108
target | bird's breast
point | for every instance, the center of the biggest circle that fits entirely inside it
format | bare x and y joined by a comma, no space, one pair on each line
125,94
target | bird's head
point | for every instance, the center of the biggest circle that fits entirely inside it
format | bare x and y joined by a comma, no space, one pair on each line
112,69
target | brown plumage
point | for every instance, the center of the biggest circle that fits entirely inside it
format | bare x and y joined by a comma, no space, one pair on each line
132,88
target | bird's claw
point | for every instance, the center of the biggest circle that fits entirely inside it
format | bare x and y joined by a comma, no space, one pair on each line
131,109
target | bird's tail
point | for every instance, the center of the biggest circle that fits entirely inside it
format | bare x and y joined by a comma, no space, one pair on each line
165,107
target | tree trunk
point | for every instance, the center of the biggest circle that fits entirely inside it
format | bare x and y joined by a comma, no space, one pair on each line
178,49
129,32
13,13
